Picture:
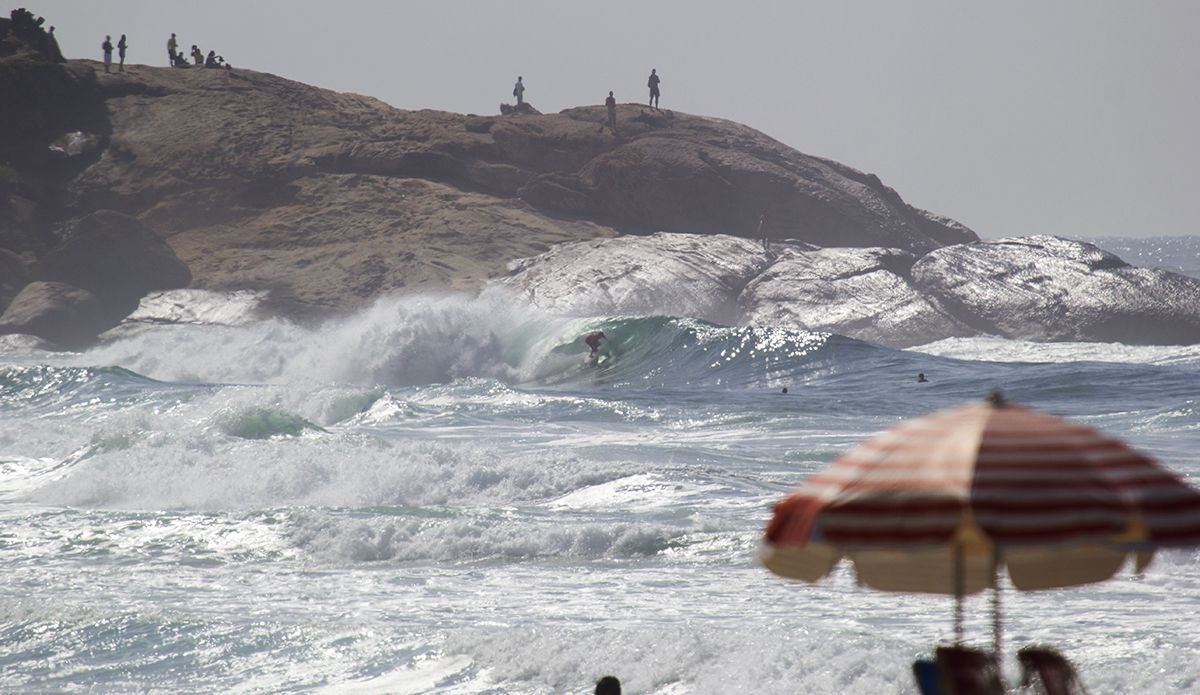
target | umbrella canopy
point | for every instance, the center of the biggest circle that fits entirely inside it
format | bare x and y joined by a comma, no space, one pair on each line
942,503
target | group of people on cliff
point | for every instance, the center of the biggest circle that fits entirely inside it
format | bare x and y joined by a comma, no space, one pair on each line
610,102
176,57
180,60
107,47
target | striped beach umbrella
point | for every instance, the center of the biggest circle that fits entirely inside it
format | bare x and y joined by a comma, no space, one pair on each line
946,502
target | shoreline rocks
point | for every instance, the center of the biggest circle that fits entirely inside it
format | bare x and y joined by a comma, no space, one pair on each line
93,280
1035,288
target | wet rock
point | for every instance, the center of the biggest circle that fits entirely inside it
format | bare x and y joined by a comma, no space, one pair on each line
1046,288
65,315
13,276
858,293
116,258
670,274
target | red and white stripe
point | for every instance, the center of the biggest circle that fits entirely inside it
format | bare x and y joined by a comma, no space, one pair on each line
1026,478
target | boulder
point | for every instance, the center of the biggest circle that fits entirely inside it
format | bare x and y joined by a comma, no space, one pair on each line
62,314
671,274
858,293
524,109
1047,289
13,276
117,259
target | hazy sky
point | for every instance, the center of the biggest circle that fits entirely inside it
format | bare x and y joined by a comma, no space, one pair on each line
1070,117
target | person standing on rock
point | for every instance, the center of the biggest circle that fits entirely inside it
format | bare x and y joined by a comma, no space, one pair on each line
519,90
121,46
107,48
653,84
611,103
172,48
55,52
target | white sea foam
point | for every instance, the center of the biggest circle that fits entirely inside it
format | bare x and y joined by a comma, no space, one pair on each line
302,510
1000,350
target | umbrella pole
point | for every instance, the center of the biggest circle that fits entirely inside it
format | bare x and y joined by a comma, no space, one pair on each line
996,599
959,581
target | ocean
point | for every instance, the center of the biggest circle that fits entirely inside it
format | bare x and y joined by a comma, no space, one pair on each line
440,495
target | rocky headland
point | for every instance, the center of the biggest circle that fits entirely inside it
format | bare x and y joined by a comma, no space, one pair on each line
115,186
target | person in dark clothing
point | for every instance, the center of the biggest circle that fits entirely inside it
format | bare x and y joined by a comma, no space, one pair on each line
55,52
593,341
653,84
121,46
608,685
107,48
611,103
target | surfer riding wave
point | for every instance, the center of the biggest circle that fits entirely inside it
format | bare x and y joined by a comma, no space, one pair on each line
593,341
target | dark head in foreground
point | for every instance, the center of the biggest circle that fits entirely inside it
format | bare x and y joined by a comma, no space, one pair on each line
608,685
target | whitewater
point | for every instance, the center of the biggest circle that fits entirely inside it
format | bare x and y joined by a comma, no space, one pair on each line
439,494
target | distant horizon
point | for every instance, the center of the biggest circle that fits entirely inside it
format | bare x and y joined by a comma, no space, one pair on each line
1073,120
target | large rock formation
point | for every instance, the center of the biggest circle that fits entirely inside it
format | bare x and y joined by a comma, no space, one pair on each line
258,182
860,293
1038,288
330,200
671,274
1050,289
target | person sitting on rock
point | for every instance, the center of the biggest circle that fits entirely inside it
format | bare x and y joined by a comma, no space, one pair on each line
197,55
213,60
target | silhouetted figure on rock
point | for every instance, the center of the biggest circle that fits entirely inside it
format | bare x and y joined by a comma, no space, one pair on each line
107,48
55,53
